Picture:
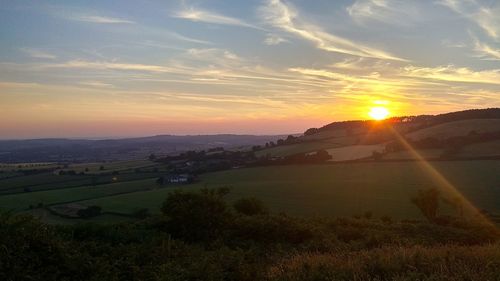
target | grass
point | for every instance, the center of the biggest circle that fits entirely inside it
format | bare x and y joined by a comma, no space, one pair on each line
407,155
490,148
94,168
49,218
305,147
50,181
448,262
38,179
456,128
23,200
354,152
335,190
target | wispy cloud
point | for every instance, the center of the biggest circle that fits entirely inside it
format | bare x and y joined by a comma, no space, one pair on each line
286,17
109,65
486,51
199,15
454,74
273,39
486,17
39,54
97,84
387,11
101,19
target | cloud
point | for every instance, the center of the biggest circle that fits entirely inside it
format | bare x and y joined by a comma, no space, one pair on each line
273,39
109,65
97,84
34,53
486,51
102,20
285,17
187,39
387,11
454,74
487,18
198,15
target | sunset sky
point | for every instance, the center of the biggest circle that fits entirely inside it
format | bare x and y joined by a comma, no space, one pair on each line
133,68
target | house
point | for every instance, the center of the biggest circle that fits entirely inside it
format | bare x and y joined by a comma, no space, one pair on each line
182,178
176,179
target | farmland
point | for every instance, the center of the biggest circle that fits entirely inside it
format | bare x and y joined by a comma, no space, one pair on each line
335,190
306,190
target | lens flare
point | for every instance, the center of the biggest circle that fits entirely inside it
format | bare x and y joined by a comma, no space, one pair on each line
378,113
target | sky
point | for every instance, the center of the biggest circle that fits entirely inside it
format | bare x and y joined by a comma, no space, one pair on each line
143,67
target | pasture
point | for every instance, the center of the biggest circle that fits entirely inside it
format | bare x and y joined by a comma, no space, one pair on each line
341,189
22,201
335,190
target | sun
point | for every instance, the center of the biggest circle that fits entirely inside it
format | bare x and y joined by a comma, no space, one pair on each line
378,113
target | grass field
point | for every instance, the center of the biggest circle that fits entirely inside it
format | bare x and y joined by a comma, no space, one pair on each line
22,201
50,181
94,168
354,152
456,128
491,148
305,147
335,190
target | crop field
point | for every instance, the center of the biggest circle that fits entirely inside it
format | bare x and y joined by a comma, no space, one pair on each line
335,190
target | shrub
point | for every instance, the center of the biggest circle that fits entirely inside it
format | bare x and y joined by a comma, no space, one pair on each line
196,216
427,201
250,207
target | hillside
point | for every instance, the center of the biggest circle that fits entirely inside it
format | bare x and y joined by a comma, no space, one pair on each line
351,140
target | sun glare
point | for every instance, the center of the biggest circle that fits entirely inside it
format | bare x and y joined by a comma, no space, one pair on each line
378,113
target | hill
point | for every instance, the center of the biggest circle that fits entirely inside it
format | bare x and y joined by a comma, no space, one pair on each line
446,133
85,150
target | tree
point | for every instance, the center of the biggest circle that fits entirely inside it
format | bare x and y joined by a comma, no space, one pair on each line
196,216
428,203
152,157
457,203
250,207
322,155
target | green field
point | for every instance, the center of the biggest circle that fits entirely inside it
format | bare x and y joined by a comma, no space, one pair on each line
345,189
22,201
50,181
305,147
456,128
94,168
335,190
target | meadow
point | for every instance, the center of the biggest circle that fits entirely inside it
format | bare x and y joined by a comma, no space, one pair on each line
334,190
323,190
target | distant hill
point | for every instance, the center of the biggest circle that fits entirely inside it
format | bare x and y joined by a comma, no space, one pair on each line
84,150
350,140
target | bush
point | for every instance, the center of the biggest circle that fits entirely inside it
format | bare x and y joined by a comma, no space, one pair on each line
250,207
271,229
197,216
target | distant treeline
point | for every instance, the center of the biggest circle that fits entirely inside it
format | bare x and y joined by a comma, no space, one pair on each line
422,121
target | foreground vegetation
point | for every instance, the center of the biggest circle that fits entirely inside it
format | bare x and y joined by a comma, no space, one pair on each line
199,236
